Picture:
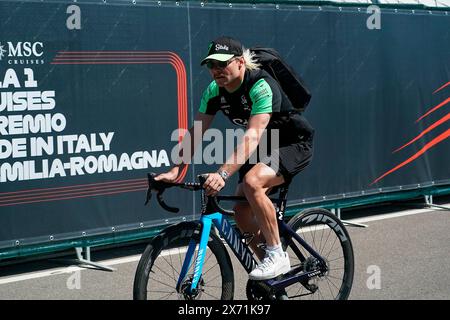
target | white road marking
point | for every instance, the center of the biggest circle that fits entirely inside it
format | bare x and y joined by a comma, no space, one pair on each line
134,258
394,215
35,275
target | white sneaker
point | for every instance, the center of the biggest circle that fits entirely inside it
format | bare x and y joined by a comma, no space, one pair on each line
271,266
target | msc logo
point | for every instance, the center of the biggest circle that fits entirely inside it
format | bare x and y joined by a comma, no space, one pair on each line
2,51
20,50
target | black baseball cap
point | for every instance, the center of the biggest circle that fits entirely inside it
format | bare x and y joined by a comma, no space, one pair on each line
223,49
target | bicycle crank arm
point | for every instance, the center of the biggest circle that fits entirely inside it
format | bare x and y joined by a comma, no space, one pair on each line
286,281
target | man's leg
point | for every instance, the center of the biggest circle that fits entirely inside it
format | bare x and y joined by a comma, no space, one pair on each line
255,186
256,183
246,222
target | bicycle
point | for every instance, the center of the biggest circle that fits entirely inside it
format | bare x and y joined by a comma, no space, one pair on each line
188,260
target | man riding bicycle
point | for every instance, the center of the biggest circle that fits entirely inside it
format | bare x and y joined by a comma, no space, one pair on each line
250,97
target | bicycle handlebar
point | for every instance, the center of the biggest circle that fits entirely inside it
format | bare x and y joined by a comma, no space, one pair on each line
161,186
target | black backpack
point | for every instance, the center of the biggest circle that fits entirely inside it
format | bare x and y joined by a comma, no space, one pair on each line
292,85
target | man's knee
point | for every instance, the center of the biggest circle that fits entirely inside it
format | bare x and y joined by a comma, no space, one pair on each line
251,183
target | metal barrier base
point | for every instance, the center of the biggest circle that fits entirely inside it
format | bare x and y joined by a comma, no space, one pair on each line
337,212
85,260
428,203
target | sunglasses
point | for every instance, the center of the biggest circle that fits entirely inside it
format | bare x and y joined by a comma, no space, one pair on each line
218,64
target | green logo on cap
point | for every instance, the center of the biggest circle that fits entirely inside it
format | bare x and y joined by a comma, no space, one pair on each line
210,46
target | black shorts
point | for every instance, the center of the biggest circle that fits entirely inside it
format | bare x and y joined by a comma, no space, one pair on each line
287,160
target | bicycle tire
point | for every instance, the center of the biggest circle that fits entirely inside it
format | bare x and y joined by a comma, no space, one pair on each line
173,238
306,224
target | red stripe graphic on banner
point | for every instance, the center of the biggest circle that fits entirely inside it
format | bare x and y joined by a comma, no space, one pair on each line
428,146
434,125
82,186
72,196
12,198
85,187
448,83
86,190
443,103
61,194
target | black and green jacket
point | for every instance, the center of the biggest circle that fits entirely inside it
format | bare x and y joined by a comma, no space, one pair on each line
258,93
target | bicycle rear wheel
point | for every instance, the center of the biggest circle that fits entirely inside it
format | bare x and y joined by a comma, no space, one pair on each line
326,234
160,265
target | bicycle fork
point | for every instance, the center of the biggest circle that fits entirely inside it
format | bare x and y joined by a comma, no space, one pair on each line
206,225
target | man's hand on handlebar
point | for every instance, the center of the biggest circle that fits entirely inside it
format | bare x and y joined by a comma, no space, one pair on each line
213,184
169,176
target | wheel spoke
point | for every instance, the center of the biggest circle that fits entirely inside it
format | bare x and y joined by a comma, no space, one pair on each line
328,280
213,266
329,288
173,269
320,245
165,284
341,257
162,271
320,293
330,231
211,295
171,266
328,276
331,250
210,280
166,296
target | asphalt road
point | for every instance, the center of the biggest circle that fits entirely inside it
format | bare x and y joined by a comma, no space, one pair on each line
401,255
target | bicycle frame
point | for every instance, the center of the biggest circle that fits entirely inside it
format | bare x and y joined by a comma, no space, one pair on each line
241,249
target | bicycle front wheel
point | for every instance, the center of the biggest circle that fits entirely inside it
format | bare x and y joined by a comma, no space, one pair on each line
161,263
326,234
